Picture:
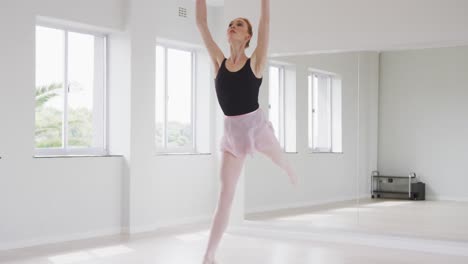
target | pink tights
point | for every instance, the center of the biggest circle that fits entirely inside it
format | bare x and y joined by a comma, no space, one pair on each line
231,167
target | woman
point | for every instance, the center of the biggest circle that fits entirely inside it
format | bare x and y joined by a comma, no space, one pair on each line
246,128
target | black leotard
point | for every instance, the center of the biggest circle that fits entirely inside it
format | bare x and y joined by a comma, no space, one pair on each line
237,91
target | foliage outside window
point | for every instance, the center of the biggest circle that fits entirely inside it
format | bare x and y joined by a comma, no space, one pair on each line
70,92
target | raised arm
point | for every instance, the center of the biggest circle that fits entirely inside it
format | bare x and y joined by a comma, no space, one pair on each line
215,52
259,56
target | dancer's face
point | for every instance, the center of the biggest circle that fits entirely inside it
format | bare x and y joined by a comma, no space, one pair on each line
238,31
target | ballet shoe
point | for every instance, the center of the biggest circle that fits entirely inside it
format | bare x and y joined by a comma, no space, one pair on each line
293,177
208,260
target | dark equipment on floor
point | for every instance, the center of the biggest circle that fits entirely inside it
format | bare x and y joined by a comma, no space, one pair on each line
400,187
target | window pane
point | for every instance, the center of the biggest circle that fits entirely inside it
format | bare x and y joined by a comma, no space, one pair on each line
315,112
274,98
160,97
179,102
281,131
49,87
336,115
322,115
85,86
310,107
80,88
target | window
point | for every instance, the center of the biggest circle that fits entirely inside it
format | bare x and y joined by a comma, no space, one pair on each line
276,105
282,104
175,86
70,92
324,108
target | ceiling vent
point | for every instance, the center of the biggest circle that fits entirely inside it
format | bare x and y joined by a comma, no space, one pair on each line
182,12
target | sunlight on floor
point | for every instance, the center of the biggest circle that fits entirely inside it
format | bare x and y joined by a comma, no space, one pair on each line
192,236
351,210
305,217
283,253
71,258
111,251
91,254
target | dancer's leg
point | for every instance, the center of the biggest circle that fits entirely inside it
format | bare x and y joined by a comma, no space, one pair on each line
231,167
268,144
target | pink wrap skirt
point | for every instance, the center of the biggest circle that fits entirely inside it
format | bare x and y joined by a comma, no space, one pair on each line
244,134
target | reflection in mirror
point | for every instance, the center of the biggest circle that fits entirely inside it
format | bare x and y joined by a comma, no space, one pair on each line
419,186
378,141
313,106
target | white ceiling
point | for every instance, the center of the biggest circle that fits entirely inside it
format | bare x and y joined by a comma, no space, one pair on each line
311,26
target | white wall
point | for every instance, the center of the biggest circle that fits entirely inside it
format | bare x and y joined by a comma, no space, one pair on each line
422,113
323,177
119,110
318,25
53,199
171,189
138,192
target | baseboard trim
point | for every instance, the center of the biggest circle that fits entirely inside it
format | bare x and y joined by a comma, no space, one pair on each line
59,239
446,198
265,209
169,225
298,205
163,227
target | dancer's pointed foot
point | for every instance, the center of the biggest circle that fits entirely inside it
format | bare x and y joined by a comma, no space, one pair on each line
293,177
209,260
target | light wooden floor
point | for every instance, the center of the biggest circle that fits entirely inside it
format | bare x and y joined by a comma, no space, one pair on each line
425,219
187,248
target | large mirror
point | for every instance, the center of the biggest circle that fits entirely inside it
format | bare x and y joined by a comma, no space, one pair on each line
392,166
378,139
419,186
313,104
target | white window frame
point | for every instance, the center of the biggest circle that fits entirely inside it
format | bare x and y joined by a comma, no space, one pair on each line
281,103
65,150
180,150
332,77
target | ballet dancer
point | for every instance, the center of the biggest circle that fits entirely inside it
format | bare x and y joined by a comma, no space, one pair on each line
246,129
